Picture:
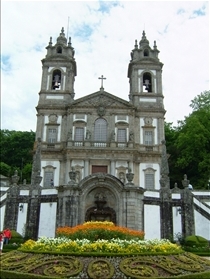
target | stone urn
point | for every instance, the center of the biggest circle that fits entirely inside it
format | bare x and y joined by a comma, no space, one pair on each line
129,176
15,178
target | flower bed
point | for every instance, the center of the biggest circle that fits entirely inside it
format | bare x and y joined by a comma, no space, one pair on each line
98,230
63,244
101,250
20,265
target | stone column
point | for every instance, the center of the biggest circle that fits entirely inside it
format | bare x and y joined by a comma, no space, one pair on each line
33,213
68,167
112,167
187,209
86,168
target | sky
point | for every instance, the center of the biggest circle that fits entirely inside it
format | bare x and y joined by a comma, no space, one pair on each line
103,34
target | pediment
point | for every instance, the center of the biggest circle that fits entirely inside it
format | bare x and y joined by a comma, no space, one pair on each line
103,99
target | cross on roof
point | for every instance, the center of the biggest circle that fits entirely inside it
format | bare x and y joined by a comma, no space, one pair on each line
102,78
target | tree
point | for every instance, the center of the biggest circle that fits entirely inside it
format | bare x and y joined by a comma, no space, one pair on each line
193,142
201,101
171,134
5,169
16,149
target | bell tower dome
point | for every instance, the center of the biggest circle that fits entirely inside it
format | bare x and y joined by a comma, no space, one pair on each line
58,72
145,75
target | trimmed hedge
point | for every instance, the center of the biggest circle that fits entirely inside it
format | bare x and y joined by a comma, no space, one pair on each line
196,241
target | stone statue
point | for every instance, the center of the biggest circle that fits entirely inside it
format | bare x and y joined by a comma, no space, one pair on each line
131,136
69,136
88,135
113,136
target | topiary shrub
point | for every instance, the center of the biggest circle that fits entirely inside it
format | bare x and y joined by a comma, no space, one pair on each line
16,237
196,241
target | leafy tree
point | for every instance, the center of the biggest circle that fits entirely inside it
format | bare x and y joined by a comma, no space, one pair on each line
201,101
171,134
16,150
26,172
5,169
193,142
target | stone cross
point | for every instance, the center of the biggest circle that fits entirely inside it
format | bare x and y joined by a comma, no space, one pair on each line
102,78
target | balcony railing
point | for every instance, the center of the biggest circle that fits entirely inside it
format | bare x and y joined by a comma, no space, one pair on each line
100,144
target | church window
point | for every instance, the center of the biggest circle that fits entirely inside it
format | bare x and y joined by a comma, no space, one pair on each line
59,49
79,134
146,52
52,135
148,137
56,80
147,82
48,178
149,181
149,177
100,130
121,135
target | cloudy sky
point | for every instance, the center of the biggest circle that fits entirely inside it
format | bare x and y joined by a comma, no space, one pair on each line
103,33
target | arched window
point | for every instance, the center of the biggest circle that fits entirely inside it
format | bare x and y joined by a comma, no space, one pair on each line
146,52
100,130
59,49
56,80
147,82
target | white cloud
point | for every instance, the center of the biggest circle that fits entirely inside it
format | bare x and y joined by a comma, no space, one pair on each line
103,35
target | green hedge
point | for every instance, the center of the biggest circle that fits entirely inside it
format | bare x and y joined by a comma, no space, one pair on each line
196,241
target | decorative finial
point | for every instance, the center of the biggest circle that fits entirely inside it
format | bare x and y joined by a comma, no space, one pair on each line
185,181
62,31
136,45
69,43
143,35
155,46
50,42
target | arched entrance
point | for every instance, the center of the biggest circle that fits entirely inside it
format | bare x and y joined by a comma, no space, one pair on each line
100,212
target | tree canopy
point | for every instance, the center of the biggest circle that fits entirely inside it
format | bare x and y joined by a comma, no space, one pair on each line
189,143
16,152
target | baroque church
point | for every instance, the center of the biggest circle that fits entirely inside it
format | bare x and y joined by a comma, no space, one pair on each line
100,157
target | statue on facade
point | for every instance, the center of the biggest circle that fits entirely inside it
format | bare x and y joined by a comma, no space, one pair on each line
131,136
122,177
69,136
112,136
88,135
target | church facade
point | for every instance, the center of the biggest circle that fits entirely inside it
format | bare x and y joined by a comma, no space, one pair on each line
100,157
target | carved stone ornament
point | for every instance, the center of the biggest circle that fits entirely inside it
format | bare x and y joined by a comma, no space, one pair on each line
53,118
101,111
148,121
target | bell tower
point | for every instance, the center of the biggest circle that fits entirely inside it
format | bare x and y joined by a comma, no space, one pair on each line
145,75
58,72
57,90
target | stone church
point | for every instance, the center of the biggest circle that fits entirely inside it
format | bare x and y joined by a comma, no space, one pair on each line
100,157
